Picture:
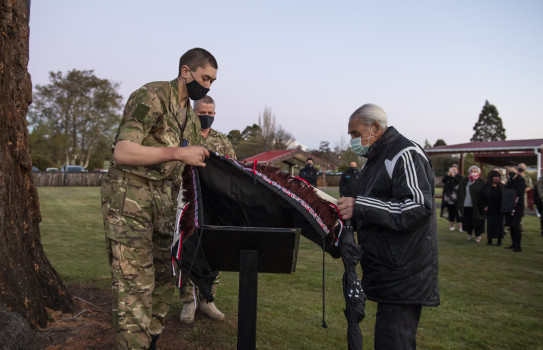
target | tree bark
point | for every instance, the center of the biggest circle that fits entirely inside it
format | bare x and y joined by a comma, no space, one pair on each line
28,282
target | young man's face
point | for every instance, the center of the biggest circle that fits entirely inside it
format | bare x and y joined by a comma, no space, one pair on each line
205,76
205,109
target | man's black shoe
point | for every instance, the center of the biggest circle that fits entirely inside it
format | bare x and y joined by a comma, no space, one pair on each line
510,247
517,250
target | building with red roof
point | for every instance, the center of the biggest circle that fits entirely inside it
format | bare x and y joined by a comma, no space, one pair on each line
498,153
290,157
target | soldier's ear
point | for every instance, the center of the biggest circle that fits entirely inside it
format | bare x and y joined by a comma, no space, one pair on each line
185,71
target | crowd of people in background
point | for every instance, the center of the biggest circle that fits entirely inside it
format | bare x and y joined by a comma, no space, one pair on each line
500,202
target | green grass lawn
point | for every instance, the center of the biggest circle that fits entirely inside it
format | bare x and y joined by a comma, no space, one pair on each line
491,298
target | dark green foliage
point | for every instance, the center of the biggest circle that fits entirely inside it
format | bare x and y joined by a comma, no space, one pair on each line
251,132
489,127
440,142
247,143
234,135
74,117
42,162
96,162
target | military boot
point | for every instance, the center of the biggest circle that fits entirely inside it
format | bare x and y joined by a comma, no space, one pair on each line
154,339
187,313
211,311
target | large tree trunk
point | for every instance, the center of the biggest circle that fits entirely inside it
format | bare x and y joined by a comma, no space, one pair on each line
28,282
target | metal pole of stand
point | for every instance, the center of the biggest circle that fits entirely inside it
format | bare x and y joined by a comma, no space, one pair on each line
248,284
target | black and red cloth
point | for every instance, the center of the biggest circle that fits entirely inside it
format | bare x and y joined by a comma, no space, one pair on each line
227,192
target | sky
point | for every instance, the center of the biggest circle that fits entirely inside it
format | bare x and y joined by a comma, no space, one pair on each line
430,64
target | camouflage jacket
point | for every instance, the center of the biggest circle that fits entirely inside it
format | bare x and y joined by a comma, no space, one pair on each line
219,143
154,117
528,179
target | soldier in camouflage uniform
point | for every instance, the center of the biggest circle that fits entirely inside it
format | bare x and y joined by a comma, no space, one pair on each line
216,142
158,134
212,139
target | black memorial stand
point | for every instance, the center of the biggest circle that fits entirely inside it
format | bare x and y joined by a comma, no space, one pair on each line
250,250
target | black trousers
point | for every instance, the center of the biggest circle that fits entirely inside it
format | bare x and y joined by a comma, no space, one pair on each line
514,226
469,224
396,326
453,213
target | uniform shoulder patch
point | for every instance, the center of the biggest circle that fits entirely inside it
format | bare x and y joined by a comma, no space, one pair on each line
141,112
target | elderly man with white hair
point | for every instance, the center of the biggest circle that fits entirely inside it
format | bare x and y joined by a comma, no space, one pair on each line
393,210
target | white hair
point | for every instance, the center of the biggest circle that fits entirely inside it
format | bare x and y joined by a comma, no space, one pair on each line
474,167
369,114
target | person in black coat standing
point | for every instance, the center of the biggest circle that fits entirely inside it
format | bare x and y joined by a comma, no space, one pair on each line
309,173
347,178
517,184
450,187
395,217
492,199
470,203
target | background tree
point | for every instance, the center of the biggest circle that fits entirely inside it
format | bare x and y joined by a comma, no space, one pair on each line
234,136
282,139
74,117
440,142
28,282
324,151
261,137
489,127
266,122
275,137
248,142
252,133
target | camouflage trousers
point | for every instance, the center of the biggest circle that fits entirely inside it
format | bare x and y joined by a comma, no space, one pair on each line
190,291
138,221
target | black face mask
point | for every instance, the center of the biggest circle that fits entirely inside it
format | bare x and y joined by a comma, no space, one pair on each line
195,90
206,121
512,174
520,170
352,168
309,165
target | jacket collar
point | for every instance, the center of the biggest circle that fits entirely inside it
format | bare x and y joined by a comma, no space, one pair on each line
175,105
388,137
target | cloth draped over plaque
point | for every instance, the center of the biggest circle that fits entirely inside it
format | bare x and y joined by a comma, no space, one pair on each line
227,192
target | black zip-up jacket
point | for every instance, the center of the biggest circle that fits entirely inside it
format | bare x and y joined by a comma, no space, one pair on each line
396,222
310,175
518,184
345,183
